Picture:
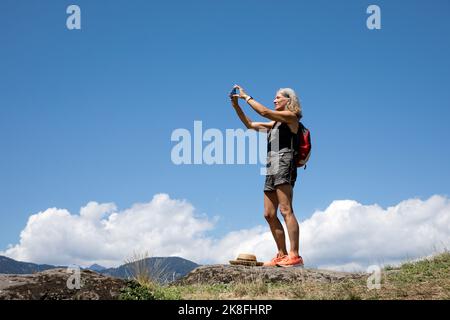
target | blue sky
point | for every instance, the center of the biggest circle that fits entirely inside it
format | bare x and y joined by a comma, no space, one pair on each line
87,115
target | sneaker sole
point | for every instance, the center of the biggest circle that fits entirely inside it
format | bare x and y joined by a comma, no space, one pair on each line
271,265
290,266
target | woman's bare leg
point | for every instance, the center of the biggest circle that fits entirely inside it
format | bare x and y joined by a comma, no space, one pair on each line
270,214
284,194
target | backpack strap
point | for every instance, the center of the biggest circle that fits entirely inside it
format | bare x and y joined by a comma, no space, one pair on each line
292,147
293,134
300,127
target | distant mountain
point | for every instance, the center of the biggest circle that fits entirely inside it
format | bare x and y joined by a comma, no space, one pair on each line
161,269
10,266
96,267
166,269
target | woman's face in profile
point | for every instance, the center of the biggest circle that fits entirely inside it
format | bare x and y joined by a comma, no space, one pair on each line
280,102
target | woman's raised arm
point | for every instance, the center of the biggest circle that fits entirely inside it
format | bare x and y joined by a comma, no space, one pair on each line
249,124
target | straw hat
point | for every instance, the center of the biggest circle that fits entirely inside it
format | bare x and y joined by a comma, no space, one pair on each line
246,259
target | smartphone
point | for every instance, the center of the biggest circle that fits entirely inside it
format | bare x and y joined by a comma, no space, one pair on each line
233,92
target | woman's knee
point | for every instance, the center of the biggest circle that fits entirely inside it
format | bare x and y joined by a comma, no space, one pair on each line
270,215
286,210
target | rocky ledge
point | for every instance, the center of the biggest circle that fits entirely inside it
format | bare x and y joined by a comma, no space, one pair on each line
234,273
59,284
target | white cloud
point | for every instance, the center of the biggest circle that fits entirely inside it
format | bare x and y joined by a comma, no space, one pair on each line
104,235
349,235
345,236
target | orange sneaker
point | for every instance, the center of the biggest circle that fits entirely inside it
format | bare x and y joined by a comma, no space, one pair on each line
274,261
289,261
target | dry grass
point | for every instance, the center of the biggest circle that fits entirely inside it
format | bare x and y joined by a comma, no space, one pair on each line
138,268
150,280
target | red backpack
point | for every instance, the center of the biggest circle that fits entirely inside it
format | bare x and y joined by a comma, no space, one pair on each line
304,146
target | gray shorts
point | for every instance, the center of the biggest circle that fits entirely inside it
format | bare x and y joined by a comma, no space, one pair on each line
281,169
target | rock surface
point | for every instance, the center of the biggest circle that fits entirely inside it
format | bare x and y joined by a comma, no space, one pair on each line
53,285
56,284
214,274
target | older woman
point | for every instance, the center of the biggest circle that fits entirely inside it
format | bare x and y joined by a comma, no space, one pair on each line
281,169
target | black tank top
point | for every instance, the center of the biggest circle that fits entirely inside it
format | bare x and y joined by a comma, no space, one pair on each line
284,136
